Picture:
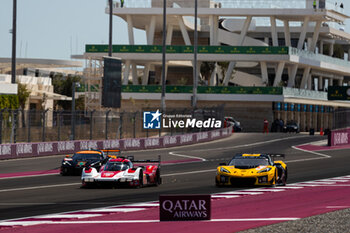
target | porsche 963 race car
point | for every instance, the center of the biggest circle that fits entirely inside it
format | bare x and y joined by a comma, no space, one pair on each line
123,171
252,169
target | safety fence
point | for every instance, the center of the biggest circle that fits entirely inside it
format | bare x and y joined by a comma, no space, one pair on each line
22,150
47,125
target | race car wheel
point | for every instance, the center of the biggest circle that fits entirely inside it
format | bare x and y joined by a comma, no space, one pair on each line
140,179
274,180
158,180
217,183
64,171
85,184
284,181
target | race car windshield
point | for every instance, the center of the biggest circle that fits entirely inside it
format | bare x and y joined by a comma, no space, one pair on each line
84,157
117,166
249,162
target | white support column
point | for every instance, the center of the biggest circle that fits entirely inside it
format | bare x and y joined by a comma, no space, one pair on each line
315,36
331,49
212,38
244,30
184,32
216,30
126,72
309,42
287,33
213,76
309,82
340,82
146,74
130,29
274,31
321,47
303,32
267,40
211,34
305,77
279,73
293,73
135,80
169,34
152,27
240,43
320,83
264,74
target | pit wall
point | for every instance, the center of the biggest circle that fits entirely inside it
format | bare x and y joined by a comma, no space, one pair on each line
24,150
339,137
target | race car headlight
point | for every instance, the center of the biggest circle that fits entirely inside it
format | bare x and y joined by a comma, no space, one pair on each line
224,170
265,170
66,163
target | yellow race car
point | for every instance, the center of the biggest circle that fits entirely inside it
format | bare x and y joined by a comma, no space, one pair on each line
252,169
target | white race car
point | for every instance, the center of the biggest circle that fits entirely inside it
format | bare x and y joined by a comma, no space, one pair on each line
122,171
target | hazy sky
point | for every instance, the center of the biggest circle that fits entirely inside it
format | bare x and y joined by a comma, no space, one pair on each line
57,28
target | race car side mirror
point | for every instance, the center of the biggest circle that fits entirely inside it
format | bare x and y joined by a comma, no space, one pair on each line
222,164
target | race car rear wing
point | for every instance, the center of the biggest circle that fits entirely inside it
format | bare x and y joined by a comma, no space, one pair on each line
111,156
276,156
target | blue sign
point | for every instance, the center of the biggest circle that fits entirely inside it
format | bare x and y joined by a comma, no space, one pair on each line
292,107
152,120
322,108
278,106
316,108
285,107
310,108
299,107
304,107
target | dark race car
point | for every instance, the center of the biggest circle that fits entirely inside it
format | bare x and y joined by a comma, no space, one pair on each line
73,165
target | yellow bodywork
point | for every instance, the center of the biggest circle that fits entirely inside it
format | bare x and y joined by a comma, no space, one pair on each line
261,175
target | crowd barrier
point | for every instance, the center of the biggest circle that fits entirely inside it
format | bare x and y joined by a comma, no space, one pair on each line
23,150
339,137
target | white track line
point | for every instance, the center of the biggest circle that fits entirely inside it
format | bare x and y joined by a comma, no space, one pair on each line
186,156
251,144
27,223
70,216
38,187
124,210
26,176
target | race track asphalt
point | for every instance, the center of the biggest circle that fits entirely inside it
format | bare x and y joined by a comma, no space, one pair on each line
37,195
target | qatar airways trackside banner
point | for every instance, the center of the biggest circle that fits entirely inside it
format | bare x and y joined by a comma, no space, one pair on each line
22,150
184,207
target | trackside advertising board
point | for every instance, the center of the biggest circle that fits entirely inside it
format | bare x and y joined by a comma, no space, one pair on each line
184,207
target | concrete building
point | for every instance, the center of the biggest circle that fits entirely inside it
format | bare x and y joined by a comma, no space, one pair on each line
35,74
286,44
